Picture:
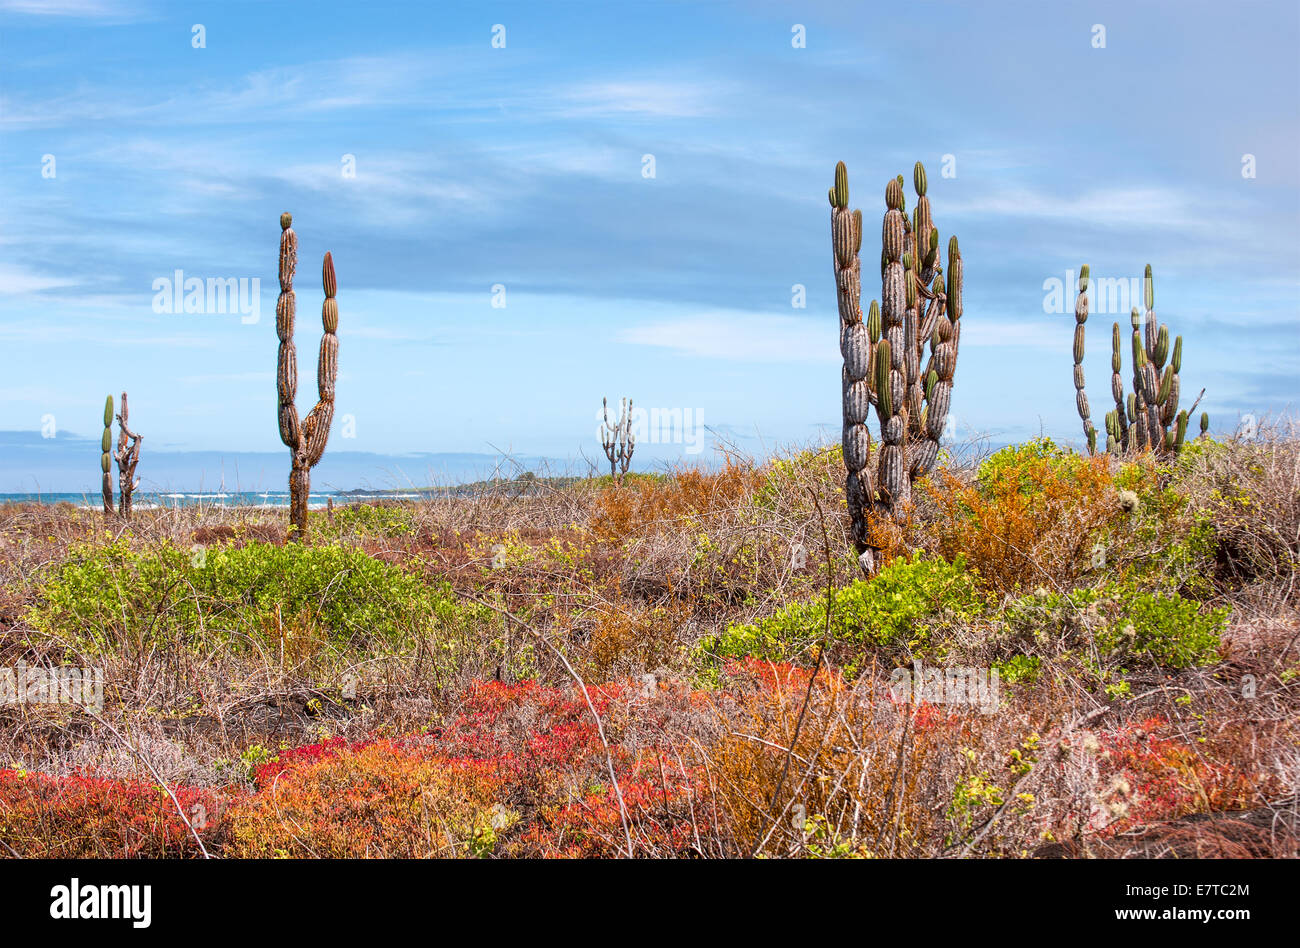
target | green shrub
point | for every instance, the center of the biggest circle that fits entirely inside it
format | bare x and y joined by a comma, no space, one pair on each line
1165,544
107,596
379,520
1167,630
1018,669
903,607
1126,622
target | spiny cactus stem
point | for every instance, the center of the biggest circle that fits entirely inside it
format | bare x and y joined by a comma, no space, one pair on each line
106,443
306,439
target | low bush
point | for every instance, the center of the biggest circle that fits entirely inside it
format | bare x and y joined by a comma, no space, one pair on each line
373,520
1119,621
1033,515
905,608
110,596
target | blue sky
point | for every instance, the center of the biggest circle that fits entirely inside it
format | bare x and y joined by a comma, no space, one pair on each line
523,167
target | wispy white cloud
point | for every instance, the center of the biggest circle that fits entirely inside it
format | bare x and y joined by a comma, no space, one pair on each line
279,92
1039,333
657,98
20,281
88,9
1119,207
739,337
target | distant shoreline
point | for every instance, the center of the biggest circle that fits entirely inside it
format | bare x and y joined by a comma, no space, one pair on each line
279,499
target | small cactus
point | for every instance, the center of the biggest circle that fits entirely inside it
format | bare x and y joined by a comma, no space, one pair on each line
619,440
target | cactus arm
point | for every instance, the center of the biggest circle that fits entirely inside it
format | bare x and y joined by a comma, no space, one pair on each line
1080,396
627,440
327,369
1120,434
105,459
860,347
891,379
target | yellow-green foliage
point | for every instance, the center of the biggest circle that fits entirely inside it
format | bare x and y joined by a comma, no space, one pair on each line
1127,623
906,606
381,520
109,595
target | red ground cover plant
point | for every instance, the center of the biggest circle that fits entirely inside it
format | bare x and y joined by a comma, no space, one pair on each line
1149,776
518,770
521,770
83,817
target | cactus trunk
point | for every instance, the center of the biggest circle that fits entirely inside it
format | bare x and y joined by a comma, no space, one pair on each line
128,456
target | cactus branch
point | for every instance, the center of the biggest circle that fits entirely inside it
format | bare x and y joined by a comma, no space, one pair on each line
105,459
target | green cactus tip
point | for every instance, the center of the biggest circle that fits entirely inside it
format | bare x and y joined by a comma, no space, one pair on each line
894,195
841,198
918,179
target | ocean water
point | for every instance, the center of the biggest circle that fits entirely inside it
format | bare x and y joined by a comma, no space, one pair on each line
275,499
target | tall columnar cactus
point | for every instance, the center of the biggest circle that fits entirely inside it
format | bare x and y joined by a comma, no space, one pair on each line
105,459
1149,418
882,354
1080,396
305,440
618,440
128,456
